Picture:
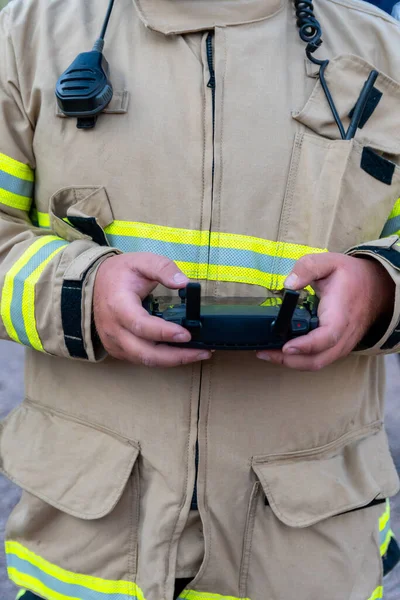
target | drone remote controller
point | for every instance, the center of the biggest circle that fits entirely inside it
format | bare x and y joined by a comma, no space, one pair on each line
238,327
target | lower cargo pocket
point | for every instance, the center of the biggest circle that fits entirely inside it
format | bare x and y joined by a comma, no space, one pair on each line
317,536
76,525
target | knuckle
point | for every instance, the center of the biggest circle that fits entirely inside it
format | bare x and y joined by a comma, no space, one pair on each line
307,262
185,359
278,359
334,338
306,348
110,336
146,360
317,365
137,327
161,262
163,335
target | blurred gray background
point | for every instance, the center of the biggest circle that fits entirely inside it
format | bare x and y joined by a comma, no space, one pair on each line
11,393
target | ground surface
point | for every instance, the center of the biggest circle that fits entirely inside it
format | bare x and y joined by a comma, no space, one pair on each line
11,386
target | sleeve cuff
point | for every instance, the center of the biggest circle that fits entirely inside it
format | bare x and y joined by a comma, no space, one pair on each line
387,252
80,338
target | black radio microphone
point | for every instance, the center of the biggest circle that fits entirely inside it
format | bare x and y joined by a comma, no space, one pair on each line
84,89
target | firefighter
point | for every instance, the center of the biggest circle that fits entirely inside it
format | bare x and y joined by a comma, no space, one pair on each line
213,149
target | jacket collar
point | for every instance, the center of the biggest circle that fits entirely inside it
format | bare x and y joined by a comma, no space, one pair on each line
184,16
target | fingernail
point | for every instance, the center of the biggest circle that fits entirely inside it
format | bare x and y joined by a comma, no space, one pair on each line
182,337
291,281
291,351
264,357
204,355
180,278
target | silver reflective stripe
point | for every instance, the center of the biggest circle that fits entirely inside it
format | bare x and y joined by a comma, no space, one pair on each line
15,185
392,226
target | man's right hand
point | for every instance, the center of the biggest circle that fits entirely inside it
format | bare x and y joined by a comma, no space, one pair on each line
126,329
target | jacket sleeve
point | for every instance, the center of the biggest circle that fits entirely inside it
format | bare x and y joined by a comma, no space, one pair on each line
387,252
46,283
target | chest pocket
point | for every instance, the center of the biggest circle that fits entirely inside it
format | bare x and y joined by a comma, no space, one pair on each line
342,192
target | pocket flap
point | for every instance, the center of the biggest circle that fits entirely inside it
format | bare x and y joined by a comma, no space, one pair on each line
304,488
345,76
74,467
81,212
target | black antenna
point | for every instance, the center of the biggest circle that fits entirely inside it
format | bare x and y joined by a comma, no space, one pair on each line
106,20
99,44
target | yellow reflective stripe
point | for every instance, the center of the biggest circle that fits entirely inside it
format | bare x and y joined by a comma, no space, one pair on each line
20,594
15,200
28,303
192,595
36,586
95,584
385,544
159,232
272,302
377,594
17,169
392,225
203,238
42,219
199,238
233,257
384,519
261,246
8,287
16,183
395,210
233,274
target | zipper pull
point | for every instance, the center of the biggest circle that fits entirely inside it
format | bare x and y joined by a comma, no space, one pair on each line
210,61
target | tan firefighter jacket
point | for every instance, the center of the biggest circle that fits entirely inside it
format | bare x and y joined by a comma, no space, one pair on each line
218,150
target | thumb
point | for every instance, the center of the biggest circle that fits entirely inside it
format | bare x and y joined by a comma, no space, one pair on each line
160,269
310,268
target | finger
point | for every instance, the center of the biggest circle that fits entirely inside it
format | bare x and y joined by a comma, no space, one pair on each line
147,354
139,323
309,362
312,267
158,268
319,340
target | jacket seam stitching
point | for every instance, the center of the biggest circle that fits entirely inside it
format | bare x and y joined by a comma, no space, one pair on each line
184,498
293,457
68,417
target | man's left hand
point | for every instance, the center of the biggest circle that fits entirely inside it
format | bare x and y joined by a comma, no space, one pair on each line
354,293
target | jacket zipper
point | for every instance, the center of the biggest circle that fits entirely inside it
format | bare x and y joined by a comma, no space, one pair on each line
211,85
211,82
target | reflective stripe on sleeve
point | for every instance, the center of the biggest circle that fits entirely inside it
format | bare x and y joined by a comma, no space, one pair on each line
392,225
200,255
50,581
18,294
16,183
377,594
386,542
385,531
